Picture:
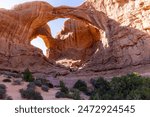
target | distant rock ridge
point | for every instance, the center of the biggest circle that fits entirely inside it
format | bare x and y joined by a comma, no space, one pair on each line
99,36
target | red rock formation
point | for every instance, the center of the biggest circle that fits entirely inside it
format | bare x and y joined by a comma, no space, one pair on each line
126,43
74,41
104,34
28,20
129,34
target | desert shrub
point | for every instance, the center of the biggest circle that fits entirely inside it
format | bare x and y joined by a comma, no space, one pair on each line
97,95
2,86
66,93
146,82
42,81
38,82
139,94
131,86
3,94
27,76
75,94
63,88
45,88
122,86
60,94
2,91
31,85
101,85
101,89
46,83
81,85
30,94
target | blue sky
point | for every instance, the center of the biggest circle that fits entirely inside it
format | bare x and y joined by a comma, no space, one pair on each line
55,25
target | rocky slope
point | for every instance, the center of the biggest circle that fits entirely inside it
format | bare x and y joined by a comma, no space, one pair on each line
99,36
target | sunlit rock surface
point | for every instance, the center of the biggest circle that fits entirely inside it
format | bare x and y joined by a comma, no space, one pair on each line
99,36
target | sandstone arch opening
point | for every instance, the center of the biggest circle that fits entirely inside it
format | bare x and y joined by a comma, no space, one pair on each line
39,43
46,34
56,26
74,44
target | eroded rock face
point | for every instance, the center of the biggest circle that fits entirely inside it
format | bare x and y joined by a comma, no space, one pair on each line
125,44
129,40
28,20
102,35
75,41
17,28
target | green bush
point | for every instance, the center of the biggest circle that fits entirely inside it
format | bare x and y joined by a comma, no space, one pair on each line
101,89
2,86
81,85
63,88
101,85
131,86
30,94
122,86
60,95
3,94
2,91
66,93
74,94
97,95
43,81
27,76
139,94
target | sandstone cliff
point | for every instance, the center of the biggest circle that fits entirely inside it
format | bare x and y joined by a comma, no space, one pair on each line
75,41
123,43
129,27
102,35
28,20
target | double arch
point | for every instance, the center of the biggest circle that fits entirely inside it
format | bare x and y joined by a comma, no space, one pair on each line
38,14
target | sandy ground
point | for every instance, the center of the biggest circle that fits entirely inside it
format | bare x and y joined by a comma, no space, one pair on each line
13,90
70,80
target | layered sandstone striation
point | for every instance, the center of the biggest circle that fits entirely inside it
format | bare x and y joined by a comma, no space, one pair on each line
129,33
75,41
28,20
125,42
100,35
